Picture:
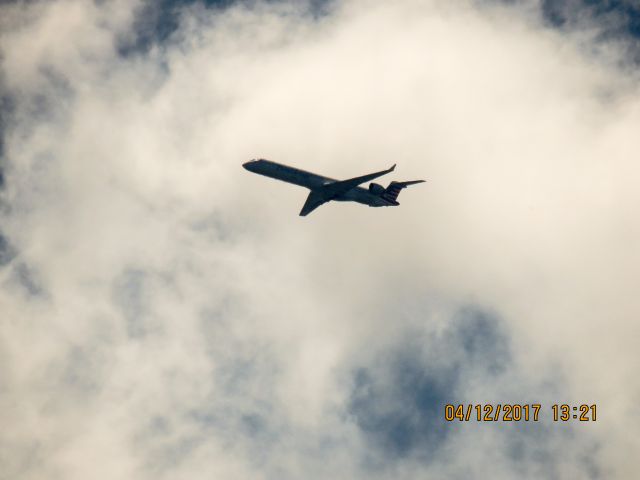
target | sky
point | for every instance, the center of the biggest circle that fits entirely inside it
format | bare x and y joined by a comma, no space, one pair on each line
166,314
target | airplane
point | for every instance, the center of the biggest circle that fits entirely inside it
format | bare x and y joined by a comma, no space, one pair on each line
325,189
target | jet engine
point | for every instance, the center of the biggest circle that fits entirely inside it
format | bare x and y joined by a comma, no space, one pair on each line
376,189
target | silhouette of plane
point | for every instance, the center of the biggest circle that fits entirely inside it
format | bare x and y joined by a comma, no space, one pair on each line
325,189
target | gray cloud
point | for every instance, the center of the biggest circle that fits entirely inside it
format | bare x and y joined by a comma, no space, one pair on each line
615,22
398,402
402,411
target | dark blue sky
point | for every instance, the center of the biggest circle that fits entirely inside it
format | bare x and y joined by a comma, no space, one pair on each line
160,19
617,18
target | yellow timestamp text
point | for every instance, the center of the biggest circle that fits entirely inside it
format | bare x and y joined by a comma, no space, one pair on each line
516,412
582,413
493,413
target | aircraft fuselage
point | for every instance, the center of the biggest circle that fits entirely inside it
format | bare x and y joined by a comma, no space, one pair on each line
313,181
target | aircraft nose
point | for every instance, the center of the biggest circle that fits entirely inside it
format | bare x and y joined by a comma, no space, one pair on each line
253,165
247,165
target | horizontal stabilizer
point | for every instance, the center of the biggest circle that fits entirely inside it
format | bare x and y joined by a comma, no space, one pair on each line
393,190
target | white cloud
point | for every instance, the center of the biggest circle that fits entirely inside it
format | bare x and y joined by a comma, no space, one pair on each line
188,322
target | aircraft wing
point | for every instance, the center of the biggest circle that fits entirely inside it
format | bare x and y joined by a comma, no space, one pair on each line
336,188
330,190
314,200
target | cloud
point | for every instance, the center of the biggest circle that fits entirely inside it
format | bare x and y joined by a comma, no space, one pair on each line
604,23
399,394
399,402
167,314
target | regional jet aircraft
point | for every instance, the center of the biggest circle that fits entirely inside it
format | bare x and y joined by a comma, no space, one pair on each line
324,189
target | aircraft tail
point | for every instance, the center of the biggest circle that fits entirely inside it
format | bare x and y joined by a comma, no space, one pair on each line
393,190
